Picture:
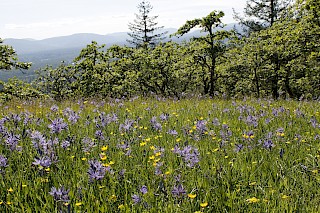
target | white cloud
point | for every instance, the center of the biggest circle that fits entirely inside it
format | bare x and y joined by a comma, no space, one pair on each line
47,18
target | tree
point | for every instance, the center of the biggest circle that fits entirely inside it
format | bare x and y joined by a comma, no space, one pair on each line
92,71
9,60
144,28
282,60
56,81
214,44
260,14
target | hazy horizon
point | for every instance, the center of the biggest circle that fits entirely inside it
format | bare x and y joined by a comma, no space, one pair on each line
41,19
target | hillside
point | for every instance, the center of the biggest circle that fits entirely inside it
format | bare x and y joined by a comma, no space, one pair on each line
52,51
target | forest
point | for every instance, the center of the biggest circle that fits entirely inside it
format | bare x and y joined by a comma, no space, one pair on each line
276,55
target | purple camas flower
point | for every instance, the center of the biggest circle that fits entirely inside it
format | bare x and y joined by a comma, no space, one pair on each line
201,126
216,122
60,194
157,171
280,130
314,122
136,199
127,125
164,117
99,135
190,155
268,144
43,161
155,124
172,132
267,121
87,144
65,144
177,178
178,191
54,108
96,170
103,119
12,141
3,129
239,147
144,189
3,161
67,111
122,172
57,125
73,117
3,164
37,139
252,120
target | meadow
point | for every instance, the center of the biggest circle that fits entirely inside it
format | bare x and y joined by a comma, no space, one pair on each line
160,155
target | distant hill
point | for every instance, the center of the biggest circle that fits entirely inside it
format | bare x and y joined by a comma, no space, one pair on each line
52,51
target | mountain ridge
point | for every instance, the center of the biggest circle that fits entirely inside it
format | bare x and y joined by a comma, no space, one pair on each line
51,51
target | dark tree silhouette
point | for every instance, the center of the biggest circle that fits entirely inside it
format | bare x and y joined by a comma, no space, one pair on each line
144,30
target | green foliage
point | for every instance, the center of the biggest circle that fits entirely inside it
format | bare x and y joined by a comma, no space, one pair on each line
8,59
261,14
161,70
212,47
92,72
56,81
279,61
16,88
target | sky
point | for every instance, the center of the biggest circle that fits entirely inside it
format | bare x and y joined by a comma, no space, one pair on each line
39,19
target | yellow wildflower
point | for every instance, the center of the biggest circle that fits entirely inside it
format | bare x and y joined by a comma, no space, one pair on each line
152,157
103,156
143,143
203,205
104,148
10,190
192,196
78,204
152,147
253,200
158,154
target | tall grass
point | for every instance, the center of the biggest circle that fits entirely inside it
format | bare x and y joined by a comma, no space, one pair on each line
156,155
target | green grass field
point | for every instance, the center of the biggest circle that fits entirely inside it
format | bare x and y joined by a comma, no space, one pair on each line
156,155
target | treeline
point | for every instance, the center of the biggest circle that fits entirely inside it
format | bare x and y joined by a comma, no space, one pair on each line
278,56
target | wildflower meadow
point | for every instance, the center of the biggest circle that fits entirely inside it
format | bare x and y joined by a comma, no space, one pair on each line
160,155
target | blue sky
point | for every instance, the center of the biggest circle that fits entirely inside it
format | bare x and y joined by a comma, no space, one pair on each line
40,19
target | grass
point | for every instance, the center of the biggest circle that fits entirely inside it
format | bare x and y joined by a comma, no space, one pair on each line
226,156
